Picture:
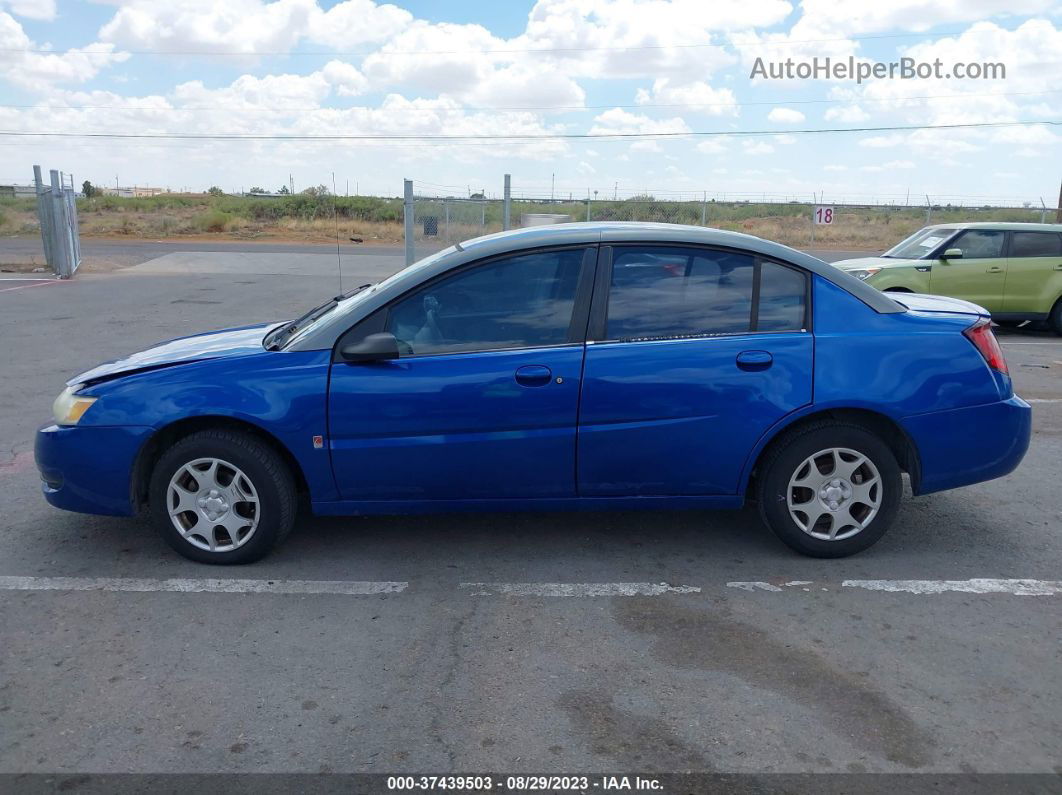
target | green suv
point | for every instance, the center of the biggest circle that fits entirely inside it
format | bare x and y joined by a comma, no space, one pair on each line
1012,270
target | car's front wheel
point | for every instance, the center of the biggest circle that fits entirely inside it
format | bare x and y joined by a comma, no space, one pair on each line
830,489
222,497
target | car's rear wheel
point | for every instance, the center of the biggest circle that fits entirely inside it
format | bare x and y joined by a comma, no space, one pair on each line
829,490
222,497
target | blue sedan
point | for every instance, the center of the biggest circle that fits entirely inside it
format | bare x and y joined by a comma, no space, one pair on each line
581,366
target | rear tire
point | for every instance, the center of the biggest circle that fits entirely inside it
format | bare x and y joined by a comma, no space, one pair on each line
222,497
829,490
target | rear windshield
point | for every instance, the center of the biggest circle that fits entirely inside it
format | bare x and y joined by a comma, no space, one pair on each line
921,244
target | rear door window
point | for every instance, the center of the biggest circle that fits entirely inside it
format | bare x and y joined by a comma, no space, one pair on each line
662,292
1036,244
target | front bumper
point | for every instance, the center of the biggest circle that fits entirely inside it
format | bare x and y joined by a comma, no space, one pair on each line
969,445
89,469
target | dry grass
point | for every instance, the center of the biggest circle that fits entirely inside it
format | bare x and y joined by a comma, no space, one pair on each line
375,220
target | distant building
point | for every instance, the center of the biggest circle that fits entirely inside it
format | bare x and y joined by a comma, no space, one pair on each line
17,191
135,192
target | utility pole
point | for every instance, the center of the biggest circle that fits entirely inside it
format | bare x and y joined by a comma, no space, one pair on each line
552,185
1058,215
615,192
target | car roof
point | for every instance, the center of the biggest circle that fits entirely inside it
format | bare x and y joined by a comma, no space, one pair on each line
325,333
1002,226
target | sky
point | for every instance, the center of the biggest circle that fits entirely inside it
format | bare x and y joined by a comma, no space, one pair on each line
570,97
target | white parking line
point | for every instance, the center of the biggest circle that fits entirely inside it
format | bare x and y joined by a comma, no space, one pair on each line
575,588
1049,342
29,286
1043,400
1015,587
343,587
922,587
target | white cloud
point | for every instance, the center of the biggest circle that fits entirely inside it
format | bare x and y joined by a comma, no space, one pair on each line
37,70
711,146
849,114
619,120
676,37
892,165
757,147
700,96
246,26
345,78
31,9
785,116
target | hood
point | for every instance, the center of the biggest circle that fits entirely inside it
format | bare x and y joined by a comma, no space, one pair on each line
871,262
211,345
920,302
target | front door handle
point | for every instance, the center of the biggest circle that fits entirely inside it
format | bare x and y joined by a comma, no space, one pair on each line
995,269
533,375
754,360
1058,267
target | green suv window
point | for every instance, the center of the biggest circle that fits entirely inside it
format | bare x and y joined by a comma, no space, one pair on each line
1036,244
979,243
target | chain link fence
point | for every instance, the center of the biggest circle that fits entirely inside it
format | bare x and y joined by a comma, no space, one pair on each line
57,211
435,221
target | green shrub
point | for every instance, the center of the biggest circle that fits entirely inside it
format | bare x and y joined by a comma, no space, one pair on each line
212,221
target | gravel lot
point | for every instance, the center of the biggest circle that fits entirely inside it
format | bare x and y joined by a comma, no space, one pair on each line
765,662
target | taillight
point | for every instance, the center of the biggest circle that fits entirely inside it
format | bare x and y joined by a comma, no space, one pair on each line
980,334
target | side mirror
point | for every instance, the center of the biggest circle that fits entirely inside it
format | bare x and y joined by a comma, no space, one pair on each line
374,348
952,253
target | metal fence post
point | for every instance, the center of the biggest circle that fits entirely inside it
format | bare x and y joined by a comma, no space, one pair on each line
929,210
44,213
704,210
507,209
588,204
407,220
60,229
446,212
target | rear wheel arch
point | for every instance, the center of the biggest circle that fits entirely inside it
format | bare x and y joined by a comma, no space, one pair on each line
897,290
885,428
170,434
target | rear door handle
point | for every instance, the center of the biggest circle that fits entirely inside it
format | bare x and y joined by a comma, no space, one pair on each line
1058,267
533,375
754,360
995,269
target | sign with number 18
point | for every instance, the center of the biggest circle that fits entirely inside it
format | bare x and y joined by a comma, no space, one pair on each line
822,216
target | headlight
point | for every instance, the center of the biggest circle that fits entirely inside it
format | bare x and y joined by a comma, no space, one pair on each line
863,273
69,406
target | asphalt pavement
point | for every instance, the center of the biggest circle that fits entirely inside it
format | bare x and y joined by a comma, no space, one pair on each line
590,642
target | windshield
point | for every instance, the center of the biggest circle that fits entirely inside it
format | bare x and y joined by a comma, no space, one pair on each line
347,304
920,244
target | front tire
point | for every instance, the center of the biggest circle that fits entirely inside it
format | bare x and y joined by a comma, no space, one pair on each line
829,490
1055,319
222,497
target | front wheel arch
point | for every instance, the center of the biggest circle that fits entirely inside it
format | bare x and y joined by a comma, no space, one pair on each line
169,435
897,290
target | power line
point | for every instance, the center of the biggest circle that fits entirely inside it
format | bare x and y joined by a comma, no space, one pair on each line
280,109
514,137
499,51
